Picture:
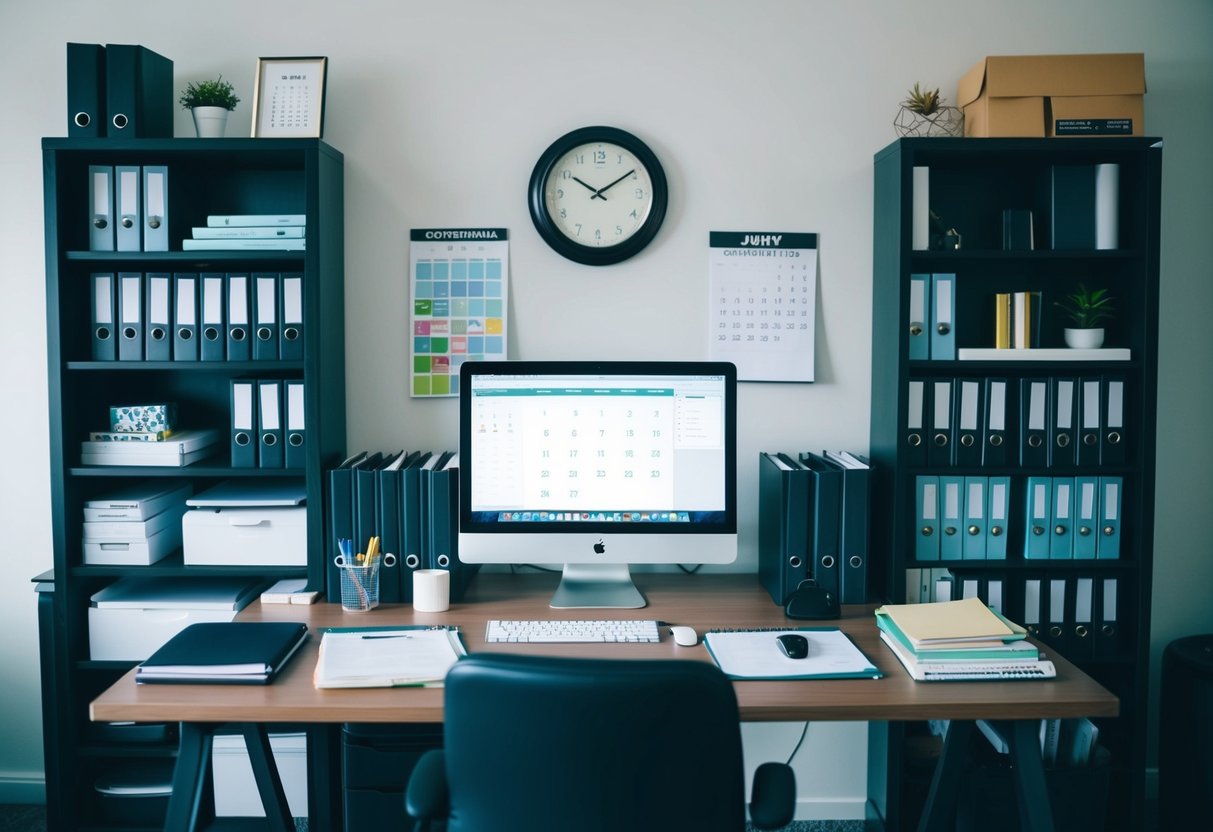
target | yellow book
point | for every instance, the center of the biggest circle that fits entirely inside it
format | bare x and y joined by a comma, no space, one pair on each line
1002,321
944,622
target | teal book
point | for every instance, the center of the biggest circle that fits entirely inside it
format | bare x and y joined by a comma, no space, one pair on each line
1005,651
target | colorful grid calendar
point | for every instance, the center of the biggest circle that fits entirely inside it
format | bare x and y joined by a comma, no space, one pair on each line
460,280
763,295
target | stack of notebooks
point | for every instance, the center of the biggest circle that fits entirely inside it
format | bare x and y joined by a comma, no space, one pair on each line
249,232
228,652
958,641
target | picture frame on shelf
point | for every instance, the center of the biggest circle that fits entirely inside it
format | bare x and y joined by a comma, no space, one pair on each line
288,99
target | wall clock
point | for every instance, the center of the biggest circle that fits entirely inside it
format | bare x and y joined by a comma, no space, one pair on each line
598,195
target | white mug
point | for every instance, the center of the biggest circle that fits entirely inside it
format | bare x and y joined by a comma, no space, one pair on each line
431,590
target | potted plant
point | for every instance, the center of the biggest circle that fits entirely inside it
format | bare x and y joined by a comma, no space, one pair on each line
210,102
1087,309
923,113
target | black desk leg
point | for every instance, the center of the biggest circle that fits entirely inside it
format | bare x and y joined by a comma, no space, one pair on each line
191,805
940,809
269,784
1035,811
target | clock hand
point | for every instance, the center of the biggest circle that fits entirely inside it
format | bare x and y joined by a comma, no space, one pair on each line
616,182
597,193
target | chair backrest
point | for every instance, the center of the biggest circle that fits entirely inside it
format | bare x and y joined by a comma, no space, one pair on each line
592,745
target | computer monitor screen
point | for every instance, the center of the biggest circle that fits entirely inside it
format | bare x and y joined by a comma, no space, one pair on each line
595,466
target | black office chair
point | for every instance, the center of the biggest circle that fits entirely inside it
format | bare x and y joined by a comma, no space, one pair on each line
595,745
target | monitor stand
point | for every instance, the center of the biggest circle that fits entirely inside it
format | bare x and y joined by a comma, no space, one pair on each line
597,586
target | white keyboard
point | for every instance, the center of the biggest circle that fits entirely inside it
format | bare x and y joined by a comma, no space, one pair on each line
555,631
978,671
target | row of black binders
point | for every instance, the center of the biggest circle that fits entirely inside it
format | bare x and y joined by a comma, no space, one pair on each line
186,316
813,523
1078,615
410,501
970,518
128,208
118,90
1039,422
268,425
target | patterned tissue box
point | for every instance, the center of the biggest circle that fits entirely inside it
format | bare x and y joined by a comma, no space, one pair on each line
143,418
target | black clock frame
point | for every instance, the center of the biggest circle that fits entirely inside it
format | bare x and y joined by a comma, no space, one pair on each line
551,233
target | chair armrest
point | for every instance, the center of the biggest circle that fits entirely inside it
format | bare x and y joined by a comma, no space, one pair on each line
773,797
426,797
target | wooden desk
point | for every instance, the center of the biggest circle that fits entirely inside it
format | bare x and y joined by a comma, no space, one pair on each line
701,601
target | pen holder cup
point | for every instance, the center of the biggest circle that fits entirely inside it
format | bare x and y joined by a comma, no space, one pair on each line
359,585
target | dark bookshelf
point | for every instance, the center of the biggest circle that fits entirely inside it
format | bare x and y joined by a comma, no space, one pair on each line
220,176
971,182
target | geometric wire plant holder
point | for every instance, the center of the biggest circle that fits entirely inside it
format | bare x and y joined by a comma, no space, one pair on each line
945,121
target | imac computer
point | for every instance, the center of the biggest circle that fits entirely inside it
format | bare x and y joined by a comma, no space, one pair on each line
595,466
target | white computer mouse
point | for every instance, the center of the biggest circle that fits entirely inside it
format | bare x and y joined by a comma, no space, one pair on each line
684,636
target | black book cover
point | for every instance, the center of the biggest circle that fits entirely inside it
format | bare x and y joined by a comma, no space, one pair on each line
240,652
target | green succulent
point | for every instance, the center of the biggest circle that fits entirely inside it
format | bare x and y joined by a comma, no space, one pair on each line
922,101
217,93
1087,309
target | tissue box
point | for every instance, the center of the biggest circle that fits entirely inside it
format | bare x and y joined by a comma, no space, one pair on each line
1055,95
143,417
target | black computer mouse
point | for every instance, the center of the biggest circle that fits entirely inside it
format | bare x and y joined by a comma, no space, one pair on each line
793,646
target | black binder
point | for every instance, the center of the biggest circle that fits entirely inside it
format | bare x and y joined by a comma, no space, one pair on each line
390,490
341,519
228,652
939,432
1112,449
1106,638
997,400
443,500
85,90
1090,421
264,295
212,331
784,501
967,413
236,310
158,315
1063,422
366,500
1033,422
130,316
103,317
244,423
824,521
918,408
412,519
138,93
1073,206
853,540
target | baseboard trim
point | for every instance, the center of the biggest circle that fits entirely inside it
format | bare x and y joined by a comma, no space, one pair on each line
29,788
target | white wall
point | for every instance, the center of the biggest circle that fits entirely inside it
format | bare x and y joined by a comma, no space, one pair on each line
766,115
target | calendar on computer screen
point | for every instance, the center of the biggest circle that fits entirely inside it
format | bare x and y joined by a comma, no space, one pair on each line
763,295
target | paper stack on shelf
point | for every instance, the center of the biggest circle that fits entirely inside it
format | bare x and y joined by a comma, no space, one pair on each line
182,448
958,640
249,232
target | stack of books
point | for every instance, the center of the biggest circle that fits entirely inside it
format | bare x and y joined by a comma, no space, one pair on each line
959,640
1017,320
249,232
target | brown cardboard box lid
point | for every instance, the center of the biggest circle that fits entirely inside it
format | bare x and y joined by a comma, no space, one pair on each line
1017,76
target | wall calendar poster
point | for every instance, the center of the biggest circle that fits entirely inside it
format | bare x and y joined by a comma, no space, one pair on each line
459,289
763,297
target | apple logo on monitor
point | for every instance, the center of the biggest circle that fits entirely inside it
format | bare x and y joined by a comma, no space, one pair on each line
599,548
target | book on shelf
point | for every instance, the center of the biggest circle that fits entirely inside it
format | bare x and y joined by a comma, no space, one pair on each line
232,652
386,657
241,232
129,435
1043,354
228,220
250,244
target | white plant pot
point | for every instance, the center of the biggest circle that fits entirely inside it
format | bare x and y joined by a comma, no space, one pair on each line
1084,339
210,122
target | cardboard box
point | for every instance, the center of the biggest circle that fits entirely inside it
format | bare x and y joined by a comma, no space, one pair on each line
1055,95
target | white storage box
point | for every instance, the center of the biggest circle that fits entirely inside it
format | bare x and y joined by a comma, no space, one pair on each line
133,552
258,536
134,616
235,789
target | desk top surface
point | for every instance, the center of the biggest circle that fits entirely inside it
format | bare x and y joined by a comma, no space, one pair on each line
701,601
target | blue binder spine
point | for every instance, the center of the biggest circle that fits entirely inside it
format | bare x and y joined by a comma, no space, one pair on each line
951,517
1061,545
1038,511
926,514
918,330
943,317
1086,517
237,296
341,519
856,497
998,493
103,317
976,528
1110,499
918,406
825,521
185,316
158,309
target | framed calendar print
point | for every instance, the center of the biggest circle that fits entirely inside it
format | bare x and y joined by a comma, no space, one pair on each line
288,101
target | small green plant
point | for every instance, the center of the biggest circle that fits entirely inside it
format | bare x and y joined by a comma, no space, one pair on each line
217,93
924,102
1087,309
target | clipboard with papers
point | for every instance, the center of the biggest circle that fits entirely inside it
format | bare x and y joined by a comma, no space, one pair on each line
386,657
754,654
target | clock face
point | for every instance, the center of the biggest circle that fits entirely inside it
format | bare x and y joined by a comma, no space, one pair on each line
598,195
